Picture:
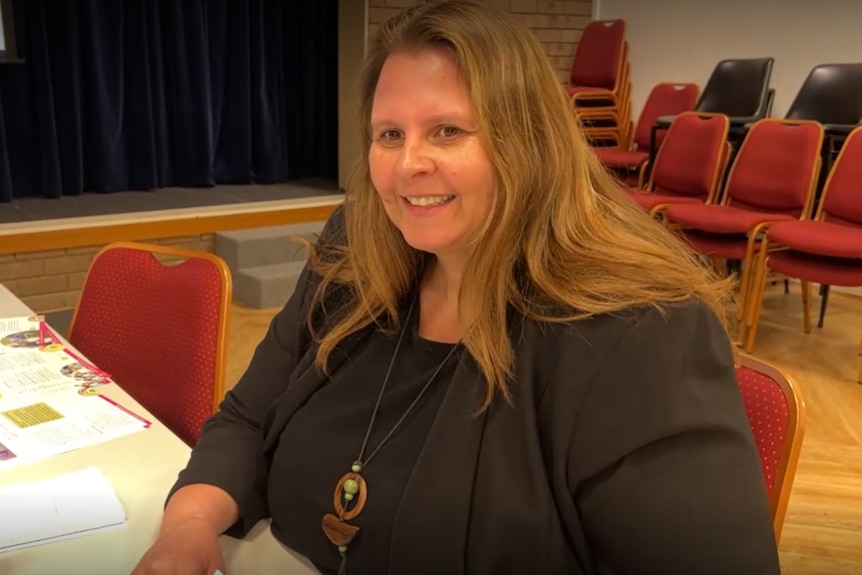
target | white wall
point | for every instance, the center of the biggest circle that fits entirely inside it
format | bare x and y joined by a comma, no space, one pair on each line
682,40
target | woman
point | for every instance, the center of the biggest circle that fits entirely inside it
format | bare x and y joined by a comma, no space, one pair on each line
494,361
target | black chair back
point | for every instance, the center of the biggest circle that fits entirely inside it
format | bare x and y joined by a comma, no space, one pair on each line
738,88
831,95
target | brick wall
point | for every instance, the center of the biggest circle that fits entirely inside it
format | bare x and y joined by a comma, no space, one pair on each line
557,23
51,281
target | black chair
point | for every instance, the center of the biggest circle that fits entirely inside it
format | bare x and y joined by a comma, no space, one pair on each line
739,89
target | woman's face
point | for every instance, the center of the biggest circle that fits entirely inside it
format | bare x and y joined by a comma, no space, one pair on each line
427,160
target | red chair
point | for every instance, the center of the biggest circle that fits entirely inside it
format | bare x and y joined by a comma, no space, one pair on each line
665,99
776,412
159,329
826,250
600,90
690,163
773,179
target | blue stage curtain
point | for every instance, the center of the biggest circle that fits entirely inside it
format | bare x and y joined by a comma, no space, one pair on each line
144,94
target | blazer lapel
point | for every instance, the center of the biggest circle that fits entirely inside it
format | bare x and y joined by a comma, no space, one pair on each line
426,539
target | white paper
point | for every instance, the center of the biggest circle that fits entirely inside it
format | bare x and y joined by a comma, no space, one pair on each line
49,397
71,505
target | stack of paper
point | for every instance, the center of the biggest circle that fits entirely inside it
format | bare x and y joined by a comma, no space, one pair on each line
72,505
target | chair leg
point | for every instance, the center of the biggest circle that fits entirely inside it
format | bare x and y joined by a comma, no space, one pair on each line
806,309
745,288
824,293
755,300
859,379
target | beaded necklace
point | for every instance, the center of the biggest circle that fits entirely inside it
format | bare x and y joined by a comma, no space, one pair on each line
351,490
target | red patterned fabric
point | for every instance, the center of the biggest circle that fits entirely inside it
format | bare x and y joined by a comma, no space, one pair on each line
597,58
768,415
155,329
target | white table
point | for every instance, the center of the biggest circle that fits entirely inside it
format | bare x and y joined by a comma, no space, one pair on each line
142,467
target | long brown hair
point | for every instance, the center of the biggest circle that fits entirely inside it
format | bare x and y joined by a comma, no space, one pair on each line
562,242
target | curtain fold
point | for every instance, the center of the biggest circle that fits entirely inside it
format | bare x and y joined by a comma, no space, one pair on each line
143,94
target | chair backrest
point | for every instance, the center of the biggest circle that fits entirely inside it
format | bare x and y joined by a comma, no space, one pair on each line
738,88
776,168
776,412
831,94
841,201
598,58
159,328
665,99
692,157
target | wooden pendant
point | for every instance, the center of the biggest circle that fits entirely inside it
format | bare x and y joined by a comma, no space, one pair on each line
335,526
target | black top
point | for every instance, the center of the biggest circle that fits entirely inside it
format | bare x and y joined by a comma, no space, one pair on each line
627,452
323,439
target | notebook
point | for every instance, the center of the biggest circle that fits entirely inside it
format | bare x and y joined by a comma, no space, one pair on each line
63,507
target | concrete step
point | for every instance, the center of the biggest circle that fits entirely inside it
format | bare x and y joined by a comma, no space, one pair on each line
267,286
260,247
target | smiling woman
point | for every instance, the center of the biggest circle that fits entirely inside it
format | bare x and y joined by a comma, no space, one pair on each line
493,362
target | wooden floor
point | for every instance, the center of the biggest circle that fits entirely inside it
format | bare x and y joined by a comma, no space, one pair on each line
823,528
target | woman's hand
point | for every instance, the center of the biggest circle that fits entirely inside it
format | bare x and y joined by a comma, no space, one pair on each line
189,547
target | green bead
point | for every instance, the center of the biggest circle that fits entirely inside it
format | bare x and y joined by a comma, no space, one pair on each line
342,548
356,467
348,496
351,487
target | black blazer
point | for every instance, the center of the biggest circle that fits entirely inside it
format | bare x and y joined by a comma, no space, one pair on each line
628,451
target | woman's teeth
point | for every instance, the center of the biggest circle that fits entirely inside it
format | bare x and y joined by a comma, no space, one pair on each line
430,200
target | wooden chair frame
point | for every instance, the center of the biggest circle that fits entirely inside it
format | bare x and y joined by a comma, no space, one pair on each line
792,447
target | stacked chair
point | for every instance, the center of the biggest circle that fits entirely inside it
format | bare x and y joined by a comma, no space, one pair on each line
830,95
629,161
689,165
600,88
826,249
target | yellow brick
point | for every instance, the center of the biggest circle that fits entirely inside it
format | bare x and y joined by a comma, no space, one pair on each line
550,7
67,265
51,302
21,269
40,255
76,281
83,251
42,285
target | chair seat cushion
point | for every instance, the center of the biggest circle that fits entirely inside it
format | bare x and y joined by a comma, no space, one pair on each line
649,200
588,91
621,158
819,238
724,246
830,271
720,219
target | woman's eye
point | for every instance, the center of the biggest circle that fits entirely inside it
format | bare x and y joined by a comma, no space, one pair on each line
390,136
449,131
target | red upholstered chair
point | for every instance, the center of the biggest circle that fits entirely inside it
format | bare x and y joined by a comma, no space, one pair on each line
600,89
689,165
776,412
665,99
826,250
159,328
773,179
